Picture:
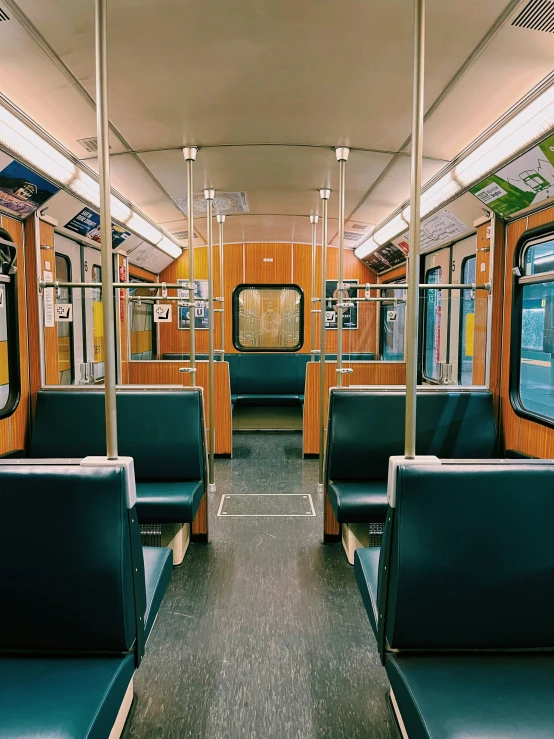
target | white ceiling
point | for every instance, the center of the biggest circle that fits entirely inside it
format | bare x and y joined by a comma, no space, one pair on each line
307,76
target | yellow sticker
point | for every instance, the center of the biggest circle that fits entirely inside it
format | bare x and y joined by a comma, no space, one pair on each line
470,331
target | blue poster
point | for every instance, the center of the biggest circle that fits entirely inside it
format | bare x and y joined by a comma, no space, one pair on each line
87,223
201,311
22,191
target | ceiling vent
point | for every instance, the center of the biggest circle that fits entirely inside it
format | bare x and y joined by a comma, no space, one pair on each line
182,235
228,203
91,144
359,226
538,15
3,15
352,236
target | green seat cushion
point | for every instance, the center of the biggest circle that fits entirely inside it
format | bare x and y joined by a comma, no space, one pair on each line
168,502
158,565
70,697
505,696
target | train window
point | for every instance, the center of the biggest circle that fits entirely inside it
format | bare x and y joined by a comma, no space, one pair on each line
268,318
467,318
65,329
535,391
141,324
97,325
433,300
9,344
393,326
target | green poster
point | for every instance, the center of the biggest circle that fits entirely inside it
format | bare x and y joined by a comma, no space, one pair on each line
526,181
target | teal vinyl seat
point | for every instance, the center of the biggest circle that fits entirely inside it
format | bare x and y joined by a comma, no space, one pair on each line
79,597
366,427
163,430
260,379
462,603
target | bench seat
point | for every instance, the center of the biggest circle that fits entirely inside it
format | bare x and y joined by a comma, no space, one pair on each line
267,399
358,502
167,502
366,569
158,567
71,697
267,379
448,696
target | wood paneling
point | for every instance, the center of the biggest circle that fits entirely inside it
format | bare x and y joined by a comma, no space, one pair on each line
167,373
14,428
244,263
142,274
397,273
367,373
516,432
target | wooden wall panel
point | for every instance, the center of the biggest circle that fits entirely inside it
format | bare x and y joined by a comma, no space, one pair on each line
259,271
233,267
14,428
167,373
367,373
141,273
302,276
519,433
397,273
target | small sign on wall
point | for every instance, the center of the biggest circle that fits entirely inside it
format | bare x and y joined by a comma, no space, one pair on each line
162,313
392,315
49,320
64,313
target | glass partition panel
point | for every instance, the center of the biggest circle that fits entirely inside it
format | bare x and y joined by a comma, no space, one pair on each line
268,318
4,364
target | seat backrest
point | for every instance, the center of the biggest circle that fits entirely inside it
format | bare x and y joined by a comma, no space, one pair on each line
470,557
367,427
162,430
172,356
71,567
267,374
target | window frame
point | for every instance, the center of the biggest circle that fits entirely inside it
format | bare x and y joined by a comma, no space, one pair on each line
12,324
430,380
531,237
235,316
141,282
382,320
465,260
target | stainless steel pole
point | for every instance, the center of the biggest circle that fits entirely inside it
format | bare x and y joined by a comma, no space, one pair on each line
102,131
221,221
412,301
325,195
190,153
313,220
209,195
342,157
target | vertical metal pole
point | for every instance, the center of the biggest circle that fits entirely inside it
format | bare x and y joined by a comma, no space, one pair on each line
313,220
190,153
221,221
325,195
209,195
488,337
342,157
102,129
412,300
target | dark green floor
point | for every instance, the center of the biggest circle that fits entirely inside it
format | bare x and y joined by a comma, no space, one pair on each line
262,633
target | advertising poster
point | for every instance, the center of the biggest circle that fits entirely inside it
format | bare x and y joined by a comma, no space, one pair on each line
201,312
524,182
87,223
22,191
350,315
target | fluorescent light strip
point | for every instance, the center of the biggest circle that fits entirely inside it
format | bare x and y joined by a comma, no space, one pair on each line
22,142
520,132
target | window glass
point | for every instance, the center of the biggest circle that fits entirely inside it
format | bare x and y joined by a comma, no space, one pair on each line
536,382
433,300
4,364
97,324
467,323
268,318
141,323
65,332
539,258
392,326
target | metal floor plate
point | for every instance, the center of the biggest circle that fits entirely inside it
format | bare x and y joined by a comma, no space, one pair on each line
250,505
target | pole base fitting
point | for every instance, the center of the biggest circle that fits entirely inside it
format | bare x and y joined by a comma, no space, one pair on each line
211,487
320,487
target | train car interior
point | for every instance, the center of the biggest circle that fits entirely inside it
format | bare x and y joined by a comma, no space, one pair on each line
277,369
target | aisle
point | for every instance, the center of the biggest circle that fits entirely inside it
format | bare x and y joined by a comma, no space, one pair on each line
262,633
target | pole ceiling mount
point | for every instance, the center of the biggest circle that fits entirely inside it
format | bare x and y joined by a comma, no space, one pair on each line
190,152
325,193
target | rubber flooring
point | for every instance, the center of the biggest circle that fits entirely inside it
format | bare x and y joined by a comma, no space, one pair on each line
262,633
